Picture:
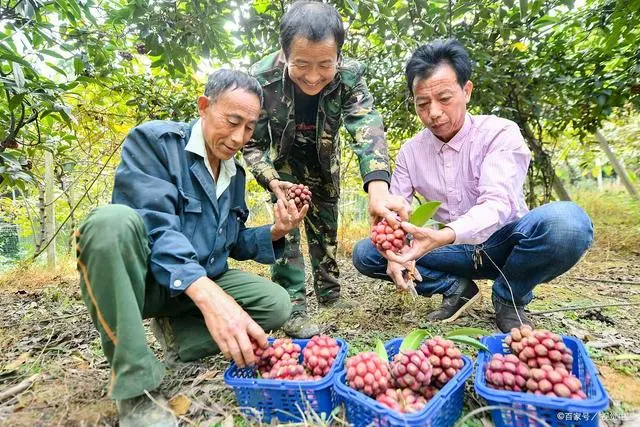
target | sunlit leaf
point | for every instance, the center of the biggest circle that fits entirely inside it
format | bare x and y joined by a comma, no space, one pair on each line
423,213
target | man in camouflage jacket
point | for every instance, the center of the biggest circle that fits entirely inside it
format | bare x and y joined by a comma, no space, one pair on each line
310,90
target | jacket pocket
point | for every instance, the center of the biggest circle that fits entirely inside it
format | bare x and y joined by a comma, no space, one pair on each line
191,214
236,216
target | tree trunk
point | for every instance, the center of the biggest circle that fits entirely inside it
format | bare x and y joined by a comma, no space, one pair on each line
43,218
546,164
50,211
619,168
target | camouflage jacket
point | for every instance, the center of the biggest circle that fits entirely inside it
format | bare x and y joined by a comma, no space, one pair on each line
345,98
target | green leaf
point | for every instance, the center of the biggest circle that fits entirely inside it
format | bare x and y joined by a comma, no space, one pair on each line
524,4
413,340
381,351
261,5
462,339
626,356
423,213
468,332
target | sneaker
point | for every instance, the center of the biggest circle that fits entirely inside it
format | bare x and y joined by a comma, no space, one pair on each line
141,411
300,325
164,335
455,304
507,314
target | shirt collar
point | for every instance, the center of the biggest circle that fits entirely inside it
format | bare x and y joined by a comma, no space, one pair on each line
196,146
458,139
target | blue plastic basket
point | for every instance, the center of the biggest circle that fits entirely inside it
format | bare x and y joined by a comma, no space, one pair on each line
555,411
442,410
288,401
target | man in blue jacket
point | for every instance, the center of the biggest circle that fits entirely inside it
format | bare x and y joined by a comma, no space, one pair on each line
160,250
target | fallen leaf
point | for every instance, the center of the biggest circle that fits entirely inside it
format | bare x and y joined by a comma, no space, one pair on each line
228,422
12,366
180,404
620,386
205,376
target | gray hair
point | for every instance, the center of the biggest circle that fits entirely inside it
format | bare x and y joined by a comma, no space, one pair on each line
225,79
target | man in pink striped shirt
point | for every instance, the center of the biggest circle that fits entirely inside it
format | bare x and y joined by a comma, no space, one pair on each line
476,166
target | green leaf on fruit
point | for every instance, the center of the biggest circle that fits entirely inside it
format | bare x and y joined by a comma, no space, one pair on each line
413,340
423,213
381,351
468,332
463,339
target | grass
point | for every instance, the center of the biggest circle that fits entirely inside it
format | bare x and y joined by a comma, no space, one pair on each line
45,317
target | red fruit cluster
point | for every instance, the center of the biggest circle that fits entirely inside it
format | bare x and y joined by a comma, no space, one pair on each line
300,194
541,364
403,401
445,358
555,382
281,360
411,379
507,373
367,373
386,237
539,347
319,354
411,369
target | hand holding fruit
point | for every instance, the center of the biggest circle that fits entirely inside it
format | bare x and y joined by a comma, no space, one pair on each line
287,217
425,240
280,188
383,205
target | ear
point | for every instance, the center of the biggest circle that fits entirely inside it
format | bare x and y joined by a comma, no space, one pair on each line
468,88
203,103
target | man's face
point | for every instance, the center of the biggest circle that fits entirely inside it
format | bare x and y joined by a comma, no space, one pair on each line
312,65
441,103
229,121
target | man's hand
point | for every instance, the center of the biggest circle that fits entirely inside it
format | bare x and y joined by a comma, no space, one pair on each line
229,325
397,271
287,217
382,204
424,241
280,188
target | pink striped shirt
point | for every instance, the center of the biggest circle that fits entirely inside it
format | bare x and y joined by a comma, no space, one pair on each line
478,175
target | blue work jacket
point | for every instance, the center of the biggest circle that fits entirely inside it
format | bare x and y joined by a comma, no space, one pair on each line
191,232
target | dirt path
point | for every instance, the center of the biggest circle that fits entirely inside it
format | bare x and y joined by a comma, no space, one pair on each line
46,331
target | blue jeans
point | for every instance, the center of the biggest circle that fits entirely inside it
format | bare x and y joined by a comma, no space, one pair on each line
537,248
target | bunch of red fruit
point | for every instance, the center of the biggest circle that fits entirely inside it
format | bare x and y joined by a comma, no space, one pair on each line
412,377
540,364
385,237
281,360
300,194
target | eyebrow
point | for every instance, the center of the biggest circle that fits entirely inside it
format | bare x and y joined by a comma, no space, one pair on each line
240,118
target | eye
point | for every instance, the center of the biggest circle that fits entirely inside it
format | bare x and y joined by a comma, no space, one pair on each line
233,122
446,99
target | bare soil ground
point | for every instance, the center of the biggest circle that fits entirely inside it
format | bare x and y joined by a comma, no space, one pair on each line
46,336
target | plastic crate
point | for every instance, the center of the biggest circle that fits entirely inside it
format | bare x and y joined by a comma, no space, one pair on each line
441,411
555,411
288,401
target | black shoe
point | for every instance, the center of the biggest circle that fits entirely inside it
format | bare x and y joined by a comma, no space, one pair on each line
141,411
455,304
507,314
300,325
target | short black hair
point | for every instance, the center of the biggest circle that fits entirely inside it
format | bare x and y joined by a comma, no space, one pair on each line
312,20
225,79
428,57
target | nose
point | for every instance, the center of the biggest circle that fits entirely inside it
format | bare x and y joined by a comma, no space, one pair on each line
237,136
313,76
434,111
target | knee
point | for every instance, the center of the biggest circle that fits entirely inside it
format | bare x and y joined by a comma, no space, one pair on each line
363,256
569,226
279,306
109,225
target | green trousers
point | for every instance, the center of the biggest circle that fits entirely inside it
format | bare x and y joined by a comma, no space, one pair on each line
119,291
321,226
